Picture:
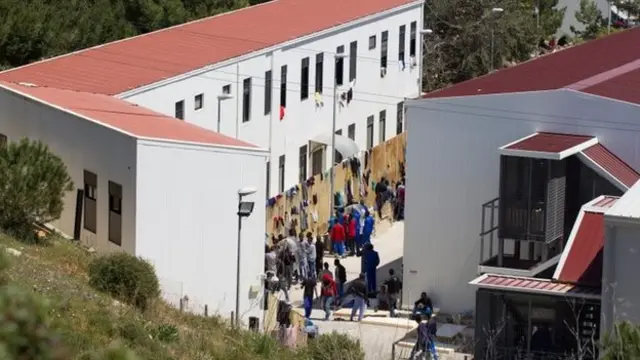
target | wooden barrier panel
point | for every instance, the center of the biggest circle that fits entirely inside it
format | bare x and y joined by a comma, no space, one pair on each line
387,159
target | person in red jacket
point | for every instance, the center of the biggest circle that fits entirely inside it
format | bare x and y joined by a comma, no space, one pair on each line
338,236
351,235
328,293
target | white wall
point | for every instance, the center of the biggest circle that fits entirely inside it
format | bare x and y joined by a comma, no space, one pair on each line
453,167
187,223
303,120
82,145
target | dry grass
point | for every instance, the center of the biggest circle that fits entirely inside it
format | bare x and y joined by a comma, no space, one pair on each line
88,320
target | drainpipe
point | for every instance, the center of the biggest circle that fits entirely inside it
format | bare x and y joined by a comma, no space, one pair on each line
238,102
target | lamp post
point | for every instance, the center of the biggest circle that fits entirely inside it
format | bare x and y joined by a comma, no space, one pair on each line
221,98
337,57
493,12
423,34
245,208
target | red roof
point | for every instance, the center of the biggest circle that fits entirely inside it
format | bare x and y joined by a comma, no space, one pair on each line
607,66
128,64
122,115
612,164
581,261
548,142
534,285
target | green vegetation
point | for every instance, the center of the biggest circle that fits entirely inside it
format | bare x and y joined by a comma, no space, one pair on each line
623,343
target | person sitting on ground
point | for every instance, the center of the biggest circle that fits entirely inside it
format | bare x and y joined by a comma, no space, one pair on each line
384,302
423,306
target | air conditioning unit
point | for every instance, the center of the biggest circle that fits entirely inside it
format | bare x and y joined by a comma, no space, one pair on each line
383,72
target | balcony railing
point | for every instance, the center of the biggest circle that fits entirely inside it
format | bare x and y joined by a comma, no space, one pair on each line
523,222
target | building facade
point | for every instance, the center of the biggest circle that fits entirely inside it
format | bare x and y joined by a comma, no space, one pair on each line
270,83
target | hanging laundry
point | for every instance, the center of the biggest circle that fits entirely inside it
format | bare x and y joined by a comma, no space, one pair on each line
401,65
294,210
348,191
282,111
314,215
318,98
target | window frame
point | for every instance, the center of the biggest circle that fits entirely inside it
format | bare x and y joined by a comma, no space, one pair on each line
281,172
319,73
90,198
178,110
283,86
226,89
198,102
337,156
402,42
246,99
382,127
303,163
268,91
370,130
115,213
351,132
400,118
353,60
372,42
304,78
413,36
384,49
268,171
339,67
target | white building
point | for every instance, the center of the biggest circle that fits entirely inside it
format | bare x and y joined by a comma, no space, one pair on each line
161,189
274,65
457,135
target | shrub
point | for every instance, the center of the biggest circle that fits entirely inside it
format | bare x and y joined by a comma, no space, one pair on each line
32,186
24,327
125,277
335,346
116,352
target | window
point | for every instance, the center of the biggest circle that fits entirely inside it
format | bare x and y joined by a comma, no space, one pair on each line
304,79
226,89
179,110
338,155
413,28
353,59
302,171
281,174
382,136
283,86
115,213
268,179
319,72
90,201
400,118
246,100
351,132
268,84
198,102
370,132
401,43
372,42
317,161
339,67
3,139
384,42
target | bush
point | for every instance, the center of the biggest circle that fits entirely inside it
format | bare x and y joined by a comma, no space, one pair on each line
335,346
116,352
24,327
125,277
32,186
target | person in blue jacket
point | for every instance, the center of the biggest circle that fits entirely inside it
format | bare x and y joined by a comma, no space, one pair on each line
371,260
367,228
358,239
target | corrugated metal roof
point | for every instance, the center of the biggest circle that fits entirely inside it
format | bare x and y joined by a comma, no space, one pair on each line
548,142
581,261
534,285
628,206
602,203
607,67
124,65
612,164
128,117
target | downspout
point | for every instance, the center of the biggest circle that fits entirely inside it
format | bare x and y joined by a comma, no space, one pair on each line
238,102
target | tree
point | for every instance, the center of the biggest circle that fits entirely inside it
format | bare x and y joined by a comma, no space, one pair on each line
32,186
622,343
591,17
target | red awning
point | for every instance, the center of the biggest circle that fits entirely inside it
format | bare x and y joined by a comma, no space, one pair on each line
553,146
609,166
535,286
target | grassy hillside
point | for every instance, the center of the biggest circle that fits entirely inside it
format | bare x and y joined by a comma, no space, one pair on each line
88,320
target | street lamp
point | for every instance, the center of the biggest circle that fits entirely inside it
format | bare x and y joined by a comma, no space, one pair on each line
494,11
423,34
338,56
221,98
245,208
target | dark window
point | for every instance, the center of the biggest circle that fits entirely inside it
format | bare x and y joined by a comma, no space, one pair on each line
302,171
115,213
382,127
179,110
3,139
198,102
353,59
319,72
281,173
317,160
226,89
304,79
401,43
268,84
413,28
384,43
372,42
283,86
90,201
246,100
338,155
370,132
268,178
340,67
351,132
400,118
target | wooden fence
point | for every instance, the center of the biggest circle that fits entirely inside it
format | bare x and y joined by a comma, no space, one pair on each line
387,159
